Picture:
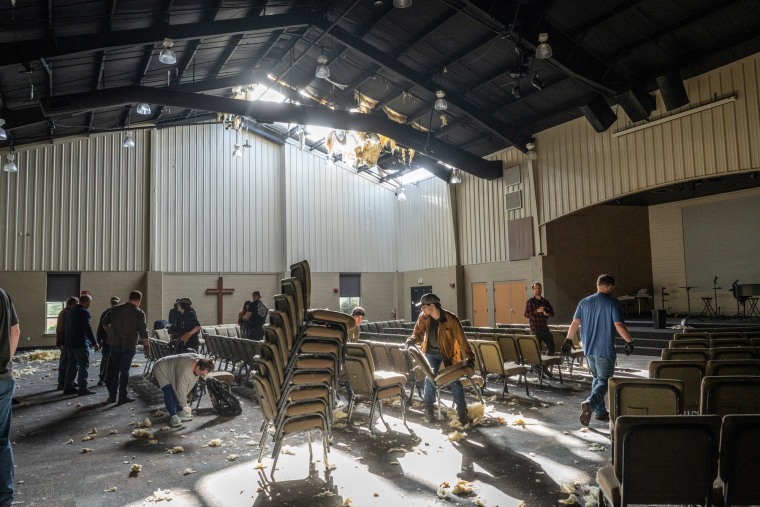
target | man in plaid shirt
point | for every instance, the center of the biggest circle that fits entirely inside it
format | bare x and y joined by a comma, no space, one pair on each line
537,310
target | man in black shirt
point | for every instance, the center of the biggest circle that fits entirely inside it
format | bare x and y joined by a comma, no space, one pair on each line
102,335
256,316
78,334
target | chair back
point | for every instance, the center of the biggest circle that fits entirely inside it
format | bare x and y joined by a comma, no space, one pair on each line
281,320
735,394
740,459
265,395
732,353
491,359
529,349
358,364
730,342
701,343
720,367
686,464
302,271
292,287
718,335
285,304
683,355
509,349
422,362
690,336
645,396
689,372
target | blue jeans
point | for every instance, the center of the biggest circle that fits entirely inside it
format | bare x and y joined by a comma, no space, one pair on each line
117,376
602,368
79,364
7,388
457,391
170,400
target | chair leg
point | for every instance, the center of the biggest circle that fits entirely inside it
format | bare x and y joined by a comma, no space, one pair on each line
540,376
403,406
351,405
263,441
438,397
559,369
504,391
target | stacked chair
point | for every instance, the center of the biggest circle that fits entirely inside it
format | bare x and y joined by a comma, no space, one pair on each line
298,370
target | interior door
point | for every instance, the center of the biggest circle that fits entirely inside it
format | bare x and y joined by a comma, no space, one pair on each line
480,305
509,302
416,294
518,296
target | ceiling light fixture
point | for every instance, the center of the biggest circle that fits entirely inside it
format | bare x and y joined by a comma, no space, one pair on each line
10,164
129,141
543,50
516,90
322,71
401,195
531,153
455,178
440,102
402,4
3,133
236,152
167,55
143,108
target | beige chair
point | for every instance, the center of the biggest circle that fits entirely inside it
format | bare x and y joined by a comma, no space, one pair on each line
735,394
302,271
662,460
689,372
460,371
730,342
689,344
733,367
716,353
683,355
576,355
531,355
740,459
691,336
493,362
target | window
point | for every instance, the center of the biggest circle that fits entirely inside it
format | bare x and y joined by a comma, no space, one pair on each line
350,291
60,287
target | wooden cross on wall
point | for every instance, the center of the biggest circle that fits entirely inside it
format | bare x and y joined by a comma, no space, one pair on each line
220,291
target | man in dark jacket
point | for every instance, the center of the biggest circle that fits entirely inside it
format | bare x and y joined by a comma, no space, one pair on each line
125,323
78,334
102,335
9,336
256,316
60,340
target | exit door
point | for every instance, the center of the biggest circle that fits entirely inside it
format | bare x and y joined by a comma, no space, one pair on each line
417,293
480,305
509,302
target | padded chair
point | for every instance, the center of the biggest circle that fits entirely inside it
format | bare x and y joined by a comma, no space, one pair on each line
700,343
460,371
731,353
740,459
531,354
689,372
725,335
730,342
733,367
575,355
683,355
691,336
662,460
493,362
302,271
370,385
734,394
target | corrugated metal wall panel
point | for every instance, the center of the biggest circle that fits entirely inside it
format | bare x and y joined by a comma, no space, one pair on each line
60,210
213,211
579,167
424,227
338,220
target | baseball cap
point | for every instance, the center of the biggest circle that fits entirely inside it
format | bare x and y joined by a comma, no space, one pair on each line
428,299
115,299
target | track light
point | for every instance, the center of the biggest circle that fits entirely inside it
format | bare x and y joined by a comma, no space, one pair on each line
167,55
401,195
516,90
531,153
402,4
143,108
455,178
3,133
543,50
440,102
10,164
129,141
237,152
537,83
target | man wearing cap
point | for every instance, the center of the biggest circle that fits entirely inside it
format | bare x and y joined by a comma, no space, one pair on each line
443,342
102,337
125,323
358,314
256,316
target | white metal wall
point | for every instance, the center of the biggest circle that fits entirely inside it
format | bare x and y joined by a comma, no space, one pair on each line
335,218
579,167
213,211
76,205
424,227
483,215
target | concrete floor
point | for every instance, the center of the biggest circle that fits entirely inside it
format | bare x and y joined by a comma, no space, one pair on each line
506,462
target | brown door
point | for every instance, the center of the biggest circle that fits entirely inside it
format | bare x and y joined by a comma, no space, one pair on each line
480,305
509,302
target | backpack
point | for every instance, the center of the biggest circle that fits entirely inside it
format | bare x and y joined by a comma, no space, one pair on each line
222,399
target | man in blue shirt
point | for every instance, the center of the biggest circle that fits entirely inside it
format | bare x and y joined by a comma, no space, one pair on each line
599,317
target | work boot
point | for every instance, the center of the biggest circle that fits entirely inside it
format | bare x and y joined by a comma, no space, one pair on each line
462,414
586,412
430,413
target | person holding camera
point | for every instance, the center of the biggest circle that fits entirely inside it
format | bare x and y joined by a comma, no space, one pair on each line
442,340
538,310
599,317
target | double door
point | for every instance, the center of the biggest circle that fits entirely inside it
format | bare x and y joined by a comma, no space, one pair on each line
508,299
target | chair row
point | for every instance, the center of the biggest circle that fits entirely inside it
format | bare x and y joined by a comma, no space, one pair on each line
676,459
713,342
236,355
232,330
750,332
380,326
691,373
706,354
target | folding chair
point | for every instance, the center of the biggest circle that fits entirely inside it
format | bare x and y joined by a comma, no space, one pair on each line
730,342
683,355
688,372
736,394
493,362
302,271
731,353
689,344
740,459
575,355
662,460
531,354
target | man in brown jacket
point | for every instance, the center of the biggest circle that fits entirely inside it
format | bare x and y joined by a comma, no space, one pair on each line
443,342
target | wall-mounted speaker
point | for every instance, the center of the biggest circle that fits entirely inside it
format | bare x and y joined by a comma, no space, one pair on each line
599,114
672,90
637,104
